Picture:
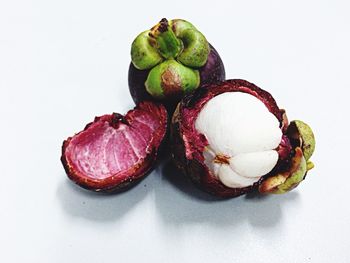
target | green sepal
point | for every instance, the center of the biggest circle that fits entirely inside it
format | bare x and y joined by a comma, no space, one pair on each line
143,54
171,78
196,48
302,133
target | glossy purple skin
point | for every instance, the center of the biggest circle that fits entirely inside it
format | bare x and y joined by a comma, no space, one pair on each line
213,71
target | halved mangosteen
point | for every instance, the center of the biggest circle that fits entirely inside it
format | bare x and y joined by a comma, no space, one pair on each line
115,151
228,137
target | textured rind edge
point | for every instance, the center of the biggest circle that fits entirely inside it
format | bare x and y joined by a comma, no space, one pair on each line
208,91
193,168
123,181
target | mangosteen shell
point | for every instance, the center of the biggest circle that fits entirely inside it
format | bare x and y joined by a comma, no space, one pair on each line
111,185
193,167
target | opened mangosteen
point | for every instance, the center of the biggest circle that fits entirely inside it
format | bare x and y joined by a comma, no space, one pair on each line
116,151
231,136
170,60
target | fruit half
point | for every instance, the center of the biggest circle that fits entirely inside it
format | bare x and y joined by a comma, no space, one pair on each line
115,151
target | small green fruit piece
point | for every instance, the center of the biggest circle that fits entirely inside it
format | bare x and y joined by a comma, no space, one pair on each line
143,54
301,133
171,79
284,182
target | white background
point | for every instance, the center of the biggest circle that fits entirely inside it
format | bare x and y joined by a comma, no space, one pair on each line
64,62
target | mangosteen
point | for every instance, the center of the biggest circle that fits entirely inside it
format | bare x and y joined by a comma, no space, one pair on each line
171,59
229,137
116,151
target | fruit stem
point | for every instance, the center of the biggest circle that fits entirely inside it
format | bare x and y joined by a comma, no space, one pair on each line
168,44
117,118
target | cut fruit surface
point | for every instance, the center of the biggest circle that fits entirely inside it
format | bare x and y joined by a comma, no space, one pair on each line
115,149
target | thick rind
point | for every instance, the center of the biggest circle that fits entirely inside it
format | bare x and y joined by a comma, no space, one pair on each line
212,72
188,144
128,177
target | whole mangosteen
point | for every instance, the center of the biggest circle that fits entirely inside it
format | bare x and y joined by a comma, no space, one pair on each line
170,60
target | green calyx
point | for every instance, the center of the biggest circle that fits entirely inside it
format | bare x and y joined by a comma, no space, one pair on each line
301,134
143,54
303,140
286,181
196,48
295,177
177,41
171,79
168,45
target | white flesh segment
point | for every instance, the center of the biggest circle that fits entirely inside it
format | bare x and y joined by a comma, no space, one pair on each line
209,156
254,164
237,122
239,126
232,179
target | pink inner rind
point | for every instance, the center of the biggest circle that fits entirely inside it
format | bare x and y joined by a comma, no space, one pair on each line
108,147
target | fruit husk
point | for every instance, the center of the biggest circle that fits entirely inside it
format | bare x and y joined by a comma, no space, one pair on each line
125,179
